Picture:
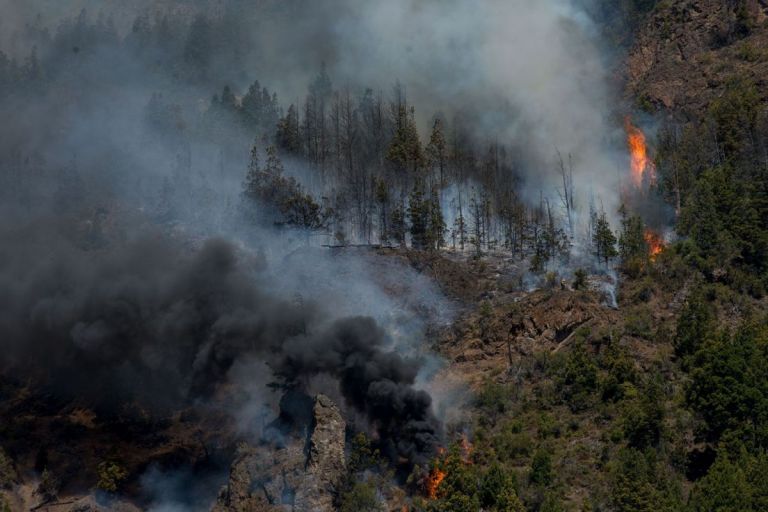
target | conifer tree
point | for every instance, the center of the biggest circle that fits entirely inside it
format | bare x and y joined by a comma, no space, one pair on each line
604,240
437,152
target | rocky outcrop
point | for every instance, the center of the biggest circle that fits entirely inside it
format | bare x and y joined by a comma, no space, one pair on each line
291,473
326,462
687,50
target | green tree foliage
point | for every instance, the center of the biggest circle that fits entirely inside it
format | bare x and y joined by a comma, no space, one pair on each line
404,151
695,325
552,503
362,497
637,484
437,151
576,377
468,487
427,226
288,136
580,279
281,197
110,474
498,490
633,249
722,189
541,468
619,374
603,239
729,385
724,489
418,214
643,416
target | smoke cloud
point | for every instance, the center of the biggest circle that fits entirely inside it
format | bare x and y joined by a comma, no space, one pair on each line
528,74
151,324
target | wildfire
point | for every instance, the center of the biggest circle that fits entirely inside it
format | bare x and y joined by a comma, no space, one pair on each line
435,478
443,462
655,244
642,167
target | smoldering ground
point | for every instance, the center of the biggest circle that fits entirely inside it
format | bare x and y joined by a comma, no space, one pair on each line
152,324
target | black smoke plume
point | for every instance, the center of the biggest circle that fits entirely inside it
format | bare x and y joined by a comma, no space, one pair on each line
153,324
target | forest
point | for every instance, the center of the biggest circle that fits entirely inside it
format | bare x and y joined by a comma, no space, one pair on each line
534,284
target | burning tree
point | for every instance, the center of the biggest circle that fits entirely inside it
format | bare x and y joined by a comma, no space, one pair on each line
643,170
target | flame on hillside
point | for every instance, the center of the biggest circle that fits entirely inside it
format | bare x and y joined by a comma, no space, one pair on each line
655,243
438,473
643,170
435,478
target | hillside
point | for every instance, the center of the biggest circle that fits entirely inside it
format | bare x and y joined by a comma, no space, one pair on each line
361,256
685,52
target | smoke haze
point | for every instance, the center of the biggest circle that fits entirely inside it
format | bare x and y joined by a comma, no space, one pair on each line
129,274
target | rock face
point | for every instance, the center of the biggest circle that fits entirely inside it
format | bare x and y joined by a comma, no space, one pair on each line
686,51
326,461
292,473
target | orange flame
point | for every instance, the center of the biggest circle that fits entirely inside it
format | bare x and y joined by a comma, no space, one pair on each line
655,244
435,478
642,167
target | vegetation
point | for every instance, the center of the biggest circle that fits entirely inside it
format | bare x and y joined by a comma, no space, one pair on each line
110,475
665,409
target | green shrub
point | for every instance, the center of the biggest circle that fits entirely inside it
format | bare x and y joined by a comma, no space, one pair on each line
511,445
643,416
362,497
541,468
580,279
493,398
110,476
639,323
498,489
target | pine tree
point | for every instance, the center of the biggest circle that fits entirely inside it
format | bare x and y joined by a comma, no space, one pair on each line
604,240
633,249
418,215
437,152
288,132
404,150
